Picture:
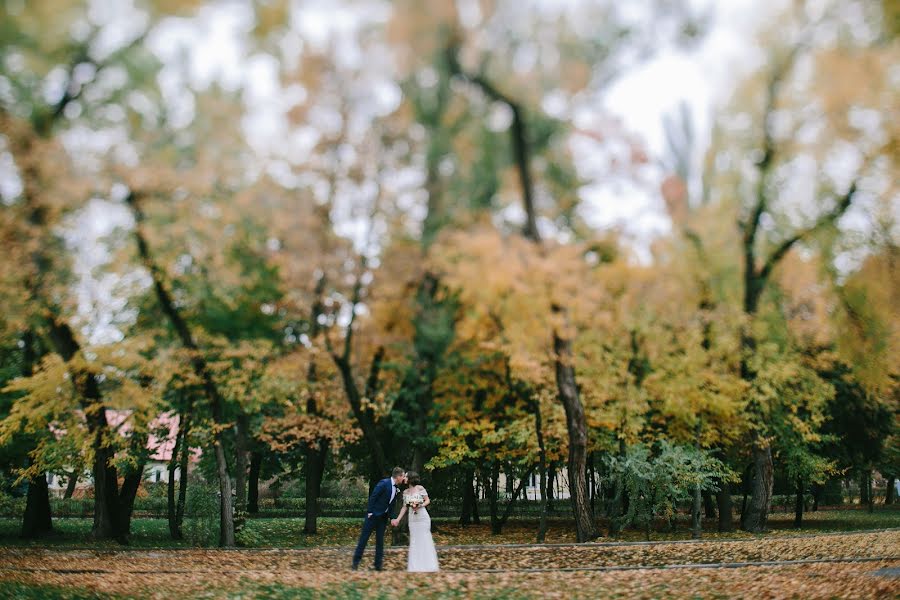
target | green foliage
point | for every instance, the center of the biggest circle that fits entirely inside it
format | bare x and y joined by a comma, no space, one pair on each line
656,484
201,524
11,505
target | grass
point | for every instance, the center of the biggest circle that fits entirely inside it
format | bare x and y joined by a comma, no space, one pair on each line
10,590
248,590
288,532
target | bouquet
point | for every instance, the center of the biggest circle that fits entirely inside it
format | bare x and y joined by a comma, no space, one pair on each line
413,501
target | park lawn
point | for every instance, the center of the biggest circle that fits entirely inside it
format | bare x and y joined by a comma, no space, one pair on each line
638,571
288,532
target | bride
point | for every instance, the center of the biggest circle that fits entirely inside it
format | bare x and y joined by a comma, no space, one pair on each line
422,553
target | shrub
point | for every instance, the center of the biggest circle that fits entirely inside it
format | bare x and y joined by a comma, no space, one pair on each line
657,484
201,525
11,506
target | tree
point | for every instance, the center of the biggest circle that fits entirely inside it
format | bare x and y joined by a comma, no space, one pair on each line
768,228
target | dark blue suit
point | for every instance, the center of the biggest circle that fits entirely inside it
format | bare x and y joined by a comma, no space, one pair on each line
377,514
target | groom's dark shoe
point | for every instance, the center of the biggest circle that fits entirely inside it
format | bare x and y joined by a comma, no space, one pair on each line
354,567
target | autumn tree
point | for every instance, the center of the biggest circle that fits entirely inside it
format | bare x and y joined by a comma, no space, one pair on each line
770,225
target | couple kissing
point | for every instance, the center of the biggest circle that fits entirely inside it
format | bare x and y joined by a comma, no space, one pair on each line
422,553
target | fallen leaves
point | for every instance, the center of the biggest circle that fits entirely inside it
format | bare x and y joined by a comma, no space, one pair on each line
247,573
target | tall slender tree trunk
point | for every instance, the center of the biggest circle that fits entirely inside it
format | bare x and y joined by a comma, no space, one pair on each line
551,485
798,505
869,491
198,363
542,457
364,417
183,478
577,427
562,343
889,492
316,451
241,462
315,469
696,517
174,525
761,495
253,482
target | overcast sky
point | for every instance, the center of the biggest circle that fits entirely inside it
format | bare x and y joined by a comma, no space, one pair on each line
703,77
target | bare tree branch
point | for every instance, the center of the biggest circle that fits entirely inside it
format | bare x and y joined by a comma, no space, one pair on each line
827,219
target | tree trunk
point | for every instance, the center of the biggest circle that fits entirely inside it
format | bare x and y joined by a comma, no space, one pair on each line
37,521
512,500
492,485
183,479
863,488
816,492
696,523
870,492
889,492
64,343
363,417
798,505
576,424
761,497
469,499
170,503
618,504
542,457
127,494
709,507
551,483
723,500
198,362
592,484
253,487
72,483
174,528
106,496
315,469
315,452
106,493
241,459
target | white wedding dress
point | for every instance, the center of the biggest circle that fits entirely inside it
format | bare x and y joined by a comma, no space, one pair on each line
422,553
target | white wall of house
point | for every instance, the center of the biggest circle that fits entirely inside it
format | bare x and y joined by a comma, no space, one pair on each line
154,472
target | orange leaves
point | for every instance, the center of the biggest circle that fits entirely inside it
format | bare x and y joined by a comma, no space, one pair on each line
305,410
507,286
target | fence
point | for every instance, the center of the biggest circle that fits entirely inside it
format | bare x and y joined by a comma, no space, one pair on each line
289,507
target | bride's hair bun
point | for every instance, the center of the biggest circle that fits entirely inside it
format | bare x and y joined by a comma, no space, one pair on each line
412,478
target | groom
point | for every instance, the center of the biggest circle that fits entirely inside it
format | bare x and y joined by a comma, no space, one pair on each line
378,512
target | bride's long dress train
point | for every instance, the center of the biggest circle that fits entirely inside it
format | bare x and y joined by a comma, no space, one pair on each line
422,553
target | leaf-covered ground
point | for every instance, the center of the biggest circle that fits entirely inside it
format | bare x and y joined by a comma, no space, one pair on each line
644,571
